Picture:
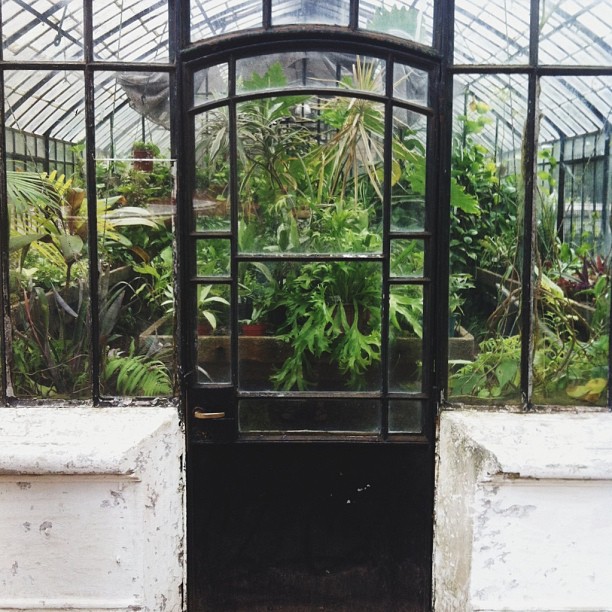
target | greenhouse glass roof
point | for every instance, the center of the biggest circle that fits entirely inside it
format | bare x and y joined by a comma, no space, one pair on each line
44,51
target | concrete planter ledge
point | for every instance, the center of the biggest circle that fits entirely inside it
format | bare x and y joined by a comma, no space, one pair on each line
79,440
91,509
523,507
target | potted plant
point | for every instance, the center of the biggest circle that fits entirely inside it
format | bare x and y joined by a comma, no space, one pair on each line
260,289
207,312
143,154
333,314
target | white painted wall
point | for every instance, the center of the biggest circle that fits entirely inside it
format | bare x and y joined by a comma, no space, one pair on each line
523,512
91,509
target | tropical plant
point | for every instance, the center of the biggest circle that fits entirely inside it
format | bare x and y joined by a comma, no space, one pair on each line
132,374
207,302
333,311
260,293
54,223
149,147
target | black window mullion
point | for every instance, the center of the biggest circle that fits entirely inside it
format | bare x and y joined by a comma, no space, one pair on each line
561,189
4,254
92,213
234,194
604,214
386,264
438,211
267,14
529,171
354,14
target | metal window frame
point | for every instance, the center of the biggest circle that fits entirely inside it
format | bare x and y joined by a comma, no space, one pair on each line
181,51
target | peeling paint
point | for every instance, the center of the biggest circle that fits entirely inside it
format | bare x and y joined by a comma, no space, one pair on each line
105,506
514,530
45,528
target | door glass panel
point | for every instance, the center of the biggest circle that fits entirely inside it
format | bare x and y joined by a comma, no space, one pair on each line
410,84
210,84
211,204
407,258
213,333
406,338
316,69
408,171
299,415
310,185
406,416
326,336
213,257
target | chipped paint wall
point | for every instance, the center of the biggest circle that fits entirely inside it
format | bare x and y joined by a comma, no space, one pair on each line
91,509
523,512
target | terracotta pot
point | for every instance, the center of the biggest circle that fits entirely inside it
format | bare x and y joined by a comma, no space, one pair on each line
205,328
147,156
254,329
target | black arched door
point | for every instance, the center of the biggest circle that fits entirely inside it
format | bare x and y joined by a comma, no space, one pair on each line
309,248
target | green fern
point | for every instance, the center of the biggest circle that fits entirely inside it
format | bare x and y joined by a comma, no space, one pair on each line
138,375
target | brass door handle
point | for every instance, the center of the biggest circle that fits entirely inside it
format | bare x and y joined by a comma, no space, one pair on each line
198,413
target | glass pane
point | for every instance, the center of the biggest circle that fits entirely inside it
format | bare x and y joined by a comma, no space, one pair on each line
131,31
406,338
214,18
213,333
341,416
495,32
49,272
408,171
407,258
311,69
135,188
576,32
486,237
332,12
210,84
408,19
410,84
260,289
211,207
406,416
261,314
330,326
51,31
572,292
213,257
313,184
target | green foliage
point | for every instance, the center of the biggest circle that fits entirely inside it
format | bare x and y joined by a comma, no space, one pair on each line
396,20
495,373
51,321
149,147
51,343
485,203
137,375
320,323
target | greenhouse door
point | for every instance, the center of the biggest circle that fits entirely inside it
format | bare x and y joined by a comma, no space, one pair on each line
308,288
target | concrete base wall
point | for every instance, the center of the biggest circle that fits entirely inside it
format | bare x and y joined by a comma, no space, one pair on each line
91,509
523,512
